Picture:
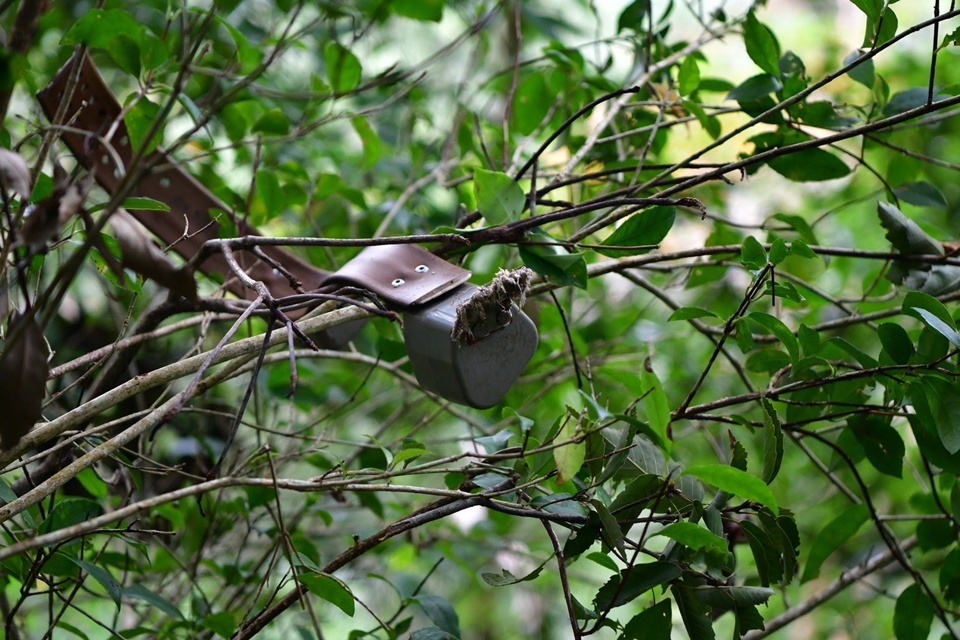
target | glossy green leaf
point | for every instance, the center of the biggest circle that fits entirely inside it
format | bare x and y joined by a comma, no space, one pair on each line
329,588
499,198
631,583
762,46
809,165
736,482
694,536
639,233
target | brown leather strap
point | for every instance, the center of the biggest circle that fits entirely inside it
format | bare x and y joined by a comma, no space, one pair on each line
402,277
93,112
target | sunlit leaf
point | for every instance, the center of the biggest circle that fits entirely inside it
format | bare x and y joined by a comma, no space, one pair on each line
736,482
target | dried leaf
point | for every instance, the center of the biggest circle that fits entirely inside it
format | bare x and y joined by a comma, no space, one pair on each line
139,253
23,379
42,221
14,173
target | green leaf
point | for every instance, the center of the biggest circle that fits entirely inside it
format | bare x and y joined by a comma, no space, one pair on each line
736,482
778,251
772,442
695,614
653,623
896,342
223,623
140,592
554,262
881,29
910,99
762,46
505,578
913,614
532,102
831,536
695,537
102,576
809,165
691,313
864,72
329,588
68,512
904,234
656,403
639,233
123,37
881,443
939,326
731,597
568,456
372,145
343,68
499,198
755,88
943,399
496,442
139,119
440,612
779,329
710,124
950,576
634,16
273,122
614,534
752,255
922,194
431,633
631,583
688,77
422,10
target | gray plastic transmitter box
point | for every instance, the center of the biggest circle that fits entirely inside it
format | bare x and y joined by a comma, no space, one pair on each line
476,371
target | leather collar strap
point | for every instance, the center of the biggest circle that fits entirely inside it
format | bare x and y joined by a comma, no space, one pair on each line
403,275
